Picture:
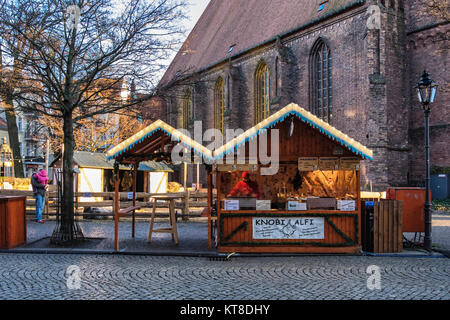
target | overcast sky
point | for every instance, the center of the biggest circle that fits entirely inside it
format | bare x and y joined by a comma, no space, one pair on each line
195,11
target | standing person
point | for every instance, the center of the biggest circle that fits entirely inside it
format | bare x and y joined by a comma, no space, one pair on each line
39,192
245,187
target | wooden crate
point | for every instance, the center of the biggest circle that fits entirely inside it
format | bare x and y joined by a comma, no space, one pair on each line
388,226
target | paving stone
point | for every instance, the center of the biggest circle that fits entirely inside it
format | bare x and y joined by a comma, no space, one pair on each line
44,276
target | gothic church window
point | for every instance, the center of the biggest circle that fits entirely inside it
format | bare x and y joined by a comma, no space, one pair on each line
262,92
186,113
219,103
321,81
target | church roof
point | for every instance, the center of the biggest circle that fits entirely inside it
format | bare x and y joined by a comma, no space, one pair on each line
227,29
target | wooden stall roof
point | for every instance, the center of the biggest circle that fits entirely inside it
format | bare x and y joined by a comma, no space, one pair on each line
140,146
305,116
97,160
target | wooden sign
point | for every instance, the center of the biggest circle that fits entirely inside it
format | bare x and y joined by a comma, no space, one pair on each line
337,151
296,205
231,205
289,228
349,163
329,163
263,204
308,164
236,167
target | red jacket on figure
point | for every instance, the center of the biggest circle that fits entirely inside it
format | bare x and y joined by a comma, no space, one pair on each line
245,187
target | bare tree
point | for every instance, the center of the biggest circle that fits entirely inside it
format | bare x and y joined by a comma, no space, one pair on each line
73,45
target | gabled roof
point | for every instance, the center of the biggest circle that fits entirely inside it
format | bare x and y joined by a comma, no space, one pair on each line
291,109
85,159
155,127
244,25
303,115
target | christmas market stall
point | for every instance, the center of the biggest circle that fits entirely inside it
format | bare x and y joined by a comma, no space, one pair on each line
157,142
289,184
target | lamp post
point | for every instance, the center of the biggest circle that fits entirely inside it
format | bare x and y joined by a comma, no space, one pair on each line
426,92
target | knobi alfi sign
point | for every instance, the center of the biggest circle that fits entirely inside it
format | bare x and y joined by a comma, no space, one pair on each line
288,228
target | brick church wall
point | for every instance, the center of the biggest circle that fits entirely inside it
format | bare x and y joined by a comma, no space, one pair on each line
427,48
373,73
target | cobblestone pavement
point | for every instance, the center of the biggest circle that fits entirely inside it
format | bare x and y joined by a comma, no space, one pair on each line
46,276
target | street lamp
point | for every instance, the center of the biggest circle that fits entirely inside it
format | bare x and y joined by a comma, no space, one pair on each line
426,92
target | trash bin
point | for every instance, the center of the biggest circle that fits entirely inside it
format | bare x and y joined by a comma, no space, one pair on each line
13,226
367,225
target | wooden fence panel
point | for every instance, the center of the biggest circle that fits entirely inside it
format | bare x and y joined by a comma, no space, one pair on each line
387,228
192,200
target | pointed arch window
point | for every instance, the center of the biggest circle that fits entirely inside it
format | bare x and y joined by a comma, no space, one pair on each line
262,92
186,110
219,103
322,82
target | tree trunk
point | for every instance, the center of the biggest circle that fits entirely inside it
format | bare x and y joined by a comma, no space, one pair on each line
13,134
67,216
67,231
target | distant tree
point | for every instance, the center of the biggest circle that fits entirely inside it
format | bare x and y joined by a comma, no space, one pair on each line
11,71
71,45
96,134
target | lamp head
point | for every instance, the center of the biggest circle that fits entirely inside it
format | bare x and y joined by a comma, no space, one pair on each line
426,90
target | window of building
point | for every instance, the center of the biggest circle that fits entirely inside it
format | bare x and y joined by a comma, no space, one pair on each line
186,109
262,92
219,103
19,123
321,70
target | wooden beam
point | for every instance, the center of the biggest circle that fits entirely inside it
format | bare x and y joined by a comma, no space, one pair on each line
133,227
116,214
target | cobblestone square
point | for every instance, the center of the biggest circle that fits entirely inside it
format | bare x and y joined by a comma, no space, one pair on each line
135,277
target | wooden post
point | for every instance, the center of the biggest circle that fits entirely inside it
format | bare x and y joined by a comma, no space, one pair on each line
198,177
209,208
358,204
134,199
186,205
185,176
210,193
116,206
218,209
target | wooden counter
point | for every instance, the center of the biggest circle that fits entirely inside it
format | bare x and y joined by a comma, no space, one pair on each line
340,231
13,226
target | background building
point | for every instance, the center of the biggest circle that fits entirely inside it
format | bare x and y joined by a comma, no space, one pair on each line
349,63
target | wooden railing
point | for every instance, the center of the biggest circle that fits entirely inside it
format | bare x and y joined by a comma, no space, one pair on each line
190,205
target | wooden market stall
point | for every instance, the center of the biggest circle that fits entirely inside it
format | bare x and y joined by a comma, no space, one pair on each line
311,204
154,143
